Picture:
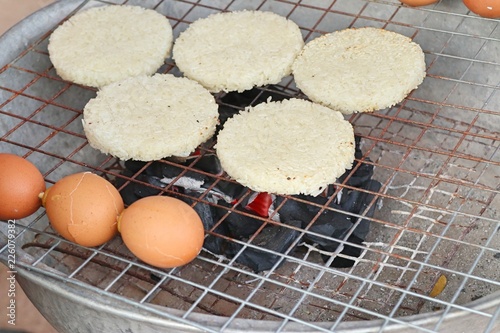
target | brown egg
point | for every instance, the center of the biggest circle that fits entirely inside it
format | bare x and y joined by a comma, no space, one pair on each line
416,3
484,8
162,231
84,208
20,185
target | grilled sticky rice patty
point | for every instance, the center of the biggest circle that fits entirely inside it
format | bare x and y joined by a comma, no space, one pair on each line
236,51
147,118
359,70
106,44
288,147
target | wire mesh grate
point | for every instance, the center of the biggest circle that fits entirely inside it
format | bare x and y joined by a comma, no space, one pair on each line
436,155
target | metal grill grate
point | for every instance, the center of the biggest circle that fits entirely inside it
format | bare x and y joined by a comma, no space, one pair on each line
436,154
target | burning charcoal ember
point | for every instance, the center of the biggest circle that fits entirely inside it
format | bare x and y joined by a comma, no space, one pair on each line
231,103
229,191
216,244
355,202
225,112
348,250
260,203
364,171
204,210
253,96
207,213
126,191
339,224
208,163
168,173
134,190
133,167
161,174
273,238
146,191
329,230
239,225
330,226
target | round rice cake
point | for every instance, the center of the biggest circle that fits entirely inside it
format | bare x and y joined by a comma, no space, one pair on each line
106,44
288,147
236,51
359,70
147,118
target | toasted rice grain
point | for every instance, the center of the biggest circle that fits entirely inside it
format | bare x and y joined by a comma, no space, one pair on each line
147,118
289,147
106,44
359,70
236,51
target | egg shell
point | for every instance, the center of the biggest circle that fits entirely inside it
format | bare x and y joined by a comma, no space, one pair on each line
484,8
162,231
84,208
20,185
416,3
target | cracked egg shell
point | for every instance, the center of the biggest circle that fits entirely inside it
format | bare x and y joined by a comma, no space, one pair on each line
162,231
84,208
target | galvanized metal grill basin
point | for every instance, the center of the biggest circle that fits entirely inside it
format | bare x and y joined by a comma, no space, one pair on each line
436,154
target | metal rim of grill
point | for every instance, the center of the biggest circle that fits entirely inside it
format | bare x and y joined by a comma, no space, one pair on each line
436,155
